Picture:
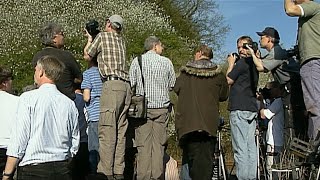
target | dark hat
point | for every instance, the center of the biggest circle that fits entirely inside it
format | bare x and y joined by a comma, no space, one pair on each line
269,31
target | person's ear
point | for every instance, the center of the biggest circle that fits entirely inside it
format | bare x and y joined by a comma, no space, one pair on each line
41,72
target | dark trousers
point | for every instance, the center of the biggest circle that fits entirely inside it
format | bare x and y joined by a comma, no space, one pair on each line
80,163
46,171
198,150
3,160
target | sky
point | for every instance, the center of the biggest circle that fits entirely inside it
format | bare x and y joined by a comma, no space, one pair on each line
246,17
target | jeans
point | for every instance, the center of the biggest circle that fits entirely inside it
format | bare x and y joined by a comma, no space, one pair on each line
93,146
184,173
243,125
310,73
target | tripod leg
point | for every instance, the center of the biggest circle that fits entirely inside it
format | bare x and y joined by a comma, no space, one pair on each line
258,156
222,166
318,174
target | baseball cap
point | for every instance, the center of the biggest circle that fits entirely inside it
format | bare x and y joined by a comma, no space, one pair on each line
269,31
116,20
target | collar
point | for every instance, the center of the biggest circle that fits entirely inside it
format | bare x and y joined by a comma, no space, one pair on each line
203,67
151,52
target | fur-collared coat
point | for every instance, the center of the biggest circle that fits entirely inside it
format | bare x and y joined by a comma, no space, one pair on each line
200,87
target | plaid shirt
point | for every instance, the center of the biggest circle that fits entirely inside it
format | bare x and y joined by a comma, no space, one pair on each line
159,78
110,49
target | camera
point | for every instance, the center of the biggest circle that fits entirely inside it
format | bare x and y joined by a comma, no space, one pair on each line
236,55
265,92
254,46
293,52
92,27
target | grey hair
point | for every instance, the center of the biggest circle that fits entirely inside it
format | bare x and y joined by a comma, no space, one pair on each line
150,42
52,67
47,33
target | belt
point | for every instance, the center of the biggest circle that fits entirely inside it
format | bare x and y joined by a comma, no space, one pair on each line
112,78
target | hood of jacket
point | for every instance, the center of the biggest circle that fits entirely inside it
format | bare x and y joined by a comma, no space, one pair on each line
204,68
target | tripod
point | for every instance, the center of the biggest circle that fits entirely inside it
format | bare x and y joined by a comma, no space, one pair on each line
260,155
219,170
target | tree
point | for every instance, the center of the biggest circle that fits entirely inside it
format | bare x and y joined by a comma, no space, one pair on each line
199,20
22,19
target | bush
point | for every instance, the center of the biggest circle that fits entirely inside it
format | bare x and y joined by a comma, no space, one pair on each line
22,19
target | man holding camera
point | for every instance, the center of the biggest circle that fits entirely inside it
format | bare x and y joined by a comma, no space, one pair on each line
276,62
308,12
242,76
110,49
269,40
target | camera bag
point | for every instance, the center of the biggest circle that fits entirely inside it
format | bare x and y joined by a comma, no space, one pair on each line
138,105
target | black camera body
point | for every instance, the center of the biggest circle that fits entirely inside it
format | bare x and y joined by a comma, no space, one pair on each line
293,52
254,46
92,27
236,55
265,92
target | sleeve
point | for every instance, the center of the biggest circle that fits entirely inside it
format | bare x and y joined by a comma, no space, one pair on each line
268,113
178,84
75,134
309,9
237,70
172,75
224,88
93,50
133,72
86,82
276,106
275,58
271,64
75,67
21,130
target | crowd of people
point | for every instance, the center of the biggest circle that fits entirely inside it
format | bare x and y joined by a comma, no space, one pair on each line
74,125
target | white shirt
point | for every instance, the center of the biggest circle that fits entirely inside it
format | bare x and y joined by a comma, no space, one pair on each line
275,114
46,127
8,108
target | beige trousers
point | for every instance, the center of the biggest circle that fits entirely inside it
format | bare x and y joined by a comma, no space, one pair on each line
114,103
150,140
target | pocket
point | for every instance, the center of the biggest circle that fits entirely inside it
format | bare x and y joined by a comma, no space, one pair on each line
140,136
107,117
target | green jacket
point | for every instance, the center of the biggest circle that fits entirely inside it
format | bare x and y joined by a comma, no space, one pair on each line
200,87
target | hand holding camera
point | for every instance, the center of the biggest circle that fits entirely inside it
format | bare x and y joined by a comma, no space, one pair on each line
232,58
92,29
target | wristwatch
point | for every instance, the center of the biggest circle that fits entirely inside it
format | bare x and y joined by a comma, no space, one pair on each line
6,174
